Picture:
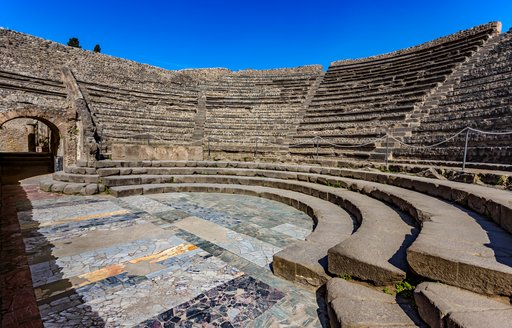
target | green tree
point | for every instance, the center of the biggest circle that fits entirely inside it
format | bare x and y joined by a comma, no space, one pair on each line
73,42
97,48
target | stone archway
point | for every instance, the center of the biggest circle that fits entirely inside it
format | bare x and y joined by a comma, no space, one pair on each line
59,122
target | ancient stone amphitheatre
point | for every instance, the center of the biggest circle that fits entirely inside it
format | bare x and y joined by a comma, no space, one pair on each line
259,198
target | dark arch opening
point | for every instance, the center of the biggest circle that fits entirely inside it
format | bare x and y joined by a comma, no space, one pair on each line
30,146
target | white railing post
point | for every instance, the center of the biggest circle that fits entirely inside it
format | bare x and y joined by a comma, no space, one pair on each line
465,150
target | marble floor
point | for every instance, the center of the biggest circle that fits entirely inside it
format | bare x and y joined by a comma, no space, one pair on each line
165,260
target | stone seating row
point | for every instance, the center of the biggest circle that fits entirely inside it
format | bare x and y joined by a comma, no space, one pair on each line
445,47
488,108
114,93
112,135
153,112
378,91
429,67
483,96
14,80
169,90
365,115
33,87
143,98
380,71
485,201
439,305
169,130
147,120
336,127
367,100
382,111
360,133
285,80
269,87
466,87
487,73
253,103
483,154
447,235
415,81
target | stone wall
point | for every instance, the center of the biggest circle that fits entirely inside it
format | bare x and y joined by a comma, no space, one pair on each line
157,152
14,136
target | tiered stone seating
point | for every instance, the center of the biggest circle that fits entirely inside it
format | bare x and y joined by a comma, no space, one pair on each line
122,114
480,100
354,305
456,246
18,88
359,100
250,106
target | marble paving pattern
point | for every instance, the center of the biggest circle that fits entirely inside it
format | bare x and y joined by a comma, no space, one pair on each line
146,204
232,304
252,249
169,260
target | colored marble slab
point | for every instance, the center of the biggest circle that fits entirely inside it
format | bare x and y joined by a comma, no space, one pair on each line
232,304
126,304
135,267
69,266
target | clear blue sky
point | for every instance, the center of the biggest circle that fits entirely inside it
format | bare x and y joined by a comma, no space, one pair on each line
247,34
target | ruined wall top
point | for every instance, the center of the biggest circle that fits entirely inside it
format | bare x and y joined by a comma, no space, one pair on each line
28,55
494,27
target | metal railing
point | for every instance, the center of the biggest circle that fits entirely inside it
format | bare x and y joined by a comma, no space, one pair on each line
258,142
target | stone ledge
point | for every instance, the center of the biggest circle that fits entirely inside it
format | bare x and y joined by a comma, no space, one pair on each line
441,305
354,305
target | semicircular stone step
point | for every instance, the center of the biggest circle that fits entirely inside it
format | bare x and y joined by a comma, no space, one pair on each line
377,249
463,253
304,262
353,305
442,305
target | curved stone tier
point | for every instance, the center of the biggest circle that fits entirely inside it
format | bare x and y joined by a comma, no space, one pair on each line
449,242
